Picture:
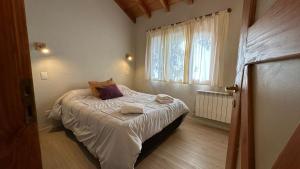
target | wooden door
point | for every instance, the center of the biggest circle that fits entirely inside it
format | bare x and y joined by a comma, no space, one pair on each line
265,128
19,143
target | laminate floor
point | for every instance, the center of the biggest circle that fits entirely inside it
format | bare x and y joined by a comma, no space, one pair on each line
191,146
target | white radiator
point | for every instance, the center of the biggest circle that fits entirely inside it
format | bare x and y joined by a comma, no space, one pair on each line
214,105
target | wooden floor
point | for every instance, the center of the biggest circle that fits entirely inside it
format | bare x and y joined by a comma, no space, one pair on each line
192,146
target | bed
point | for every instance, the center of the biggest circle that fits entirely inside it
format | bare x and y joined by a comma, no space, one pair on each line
116,139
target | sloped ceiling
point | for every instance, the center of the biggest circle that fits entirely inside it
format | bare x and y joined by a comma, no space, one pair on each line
136,8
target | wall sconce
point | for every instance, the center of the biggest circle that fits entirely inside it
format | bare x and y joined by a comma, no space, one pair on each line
129,57
41,47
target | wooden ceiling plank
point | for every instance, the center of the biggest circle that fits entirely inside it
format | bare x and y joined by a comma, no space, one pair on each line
136,8
133,19
143,6
165,4
190,1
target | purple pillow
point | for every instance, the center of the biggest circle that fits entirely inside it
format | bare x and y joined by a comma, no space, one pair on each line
109,92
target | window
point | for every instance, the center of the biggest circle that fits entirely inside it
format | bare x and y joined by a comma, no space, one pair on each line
166,50
189,52
201,52
157,60
175,54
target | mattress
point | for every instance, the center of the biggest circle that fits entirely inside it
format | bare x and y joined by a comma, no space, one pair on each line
114,138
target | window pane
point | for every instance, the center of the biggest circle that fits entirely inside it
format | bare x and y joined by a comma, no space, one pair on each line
175,55
156,55
200,60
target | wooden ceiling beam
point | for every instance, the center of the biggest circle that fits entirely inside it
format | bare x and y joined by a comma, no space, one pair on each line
136,8
165,4
190,1
122,6
143,6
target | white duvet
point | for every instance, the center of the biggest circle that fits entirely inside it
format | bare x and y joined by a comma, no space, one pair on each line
114,138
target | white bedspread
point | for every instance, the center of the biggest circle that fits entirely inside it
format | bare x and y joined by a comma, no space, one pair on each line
114,138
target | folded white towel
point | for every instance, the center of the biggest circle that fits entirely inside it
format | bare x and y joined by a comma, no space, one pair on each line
164,99
132,108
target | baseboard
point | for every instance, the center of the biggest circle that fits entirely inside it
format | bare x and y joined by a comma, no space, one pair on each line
50,127
212,123
45,129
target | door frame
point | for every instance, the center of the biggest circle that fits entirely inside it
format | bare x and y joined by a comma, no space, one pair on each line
248,19
252,47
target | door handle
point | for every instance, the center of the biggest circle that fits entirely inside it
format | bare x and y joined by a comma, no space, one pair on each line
28,100
232,89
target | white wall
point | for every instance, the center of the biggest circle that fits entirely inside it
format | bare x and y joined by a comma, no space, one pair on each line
262,6
180,12
88,41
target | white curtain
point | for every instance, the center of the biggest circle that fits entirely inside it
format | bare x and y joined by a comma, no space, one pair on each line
191,52
166,53
175,43
201,50
155,61
221,23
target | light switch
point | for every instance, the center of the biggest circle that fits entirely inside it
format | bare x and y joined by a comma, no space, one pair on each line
44,75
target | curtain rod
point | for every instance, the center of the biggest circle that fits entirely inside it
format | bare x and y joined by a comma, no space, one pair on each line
229,10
